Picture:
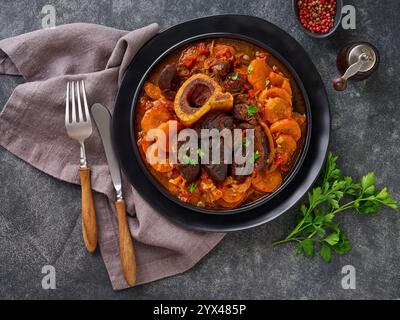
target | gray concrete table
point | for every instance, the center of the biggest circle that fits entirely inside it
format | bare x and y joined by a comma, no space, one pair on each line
39,222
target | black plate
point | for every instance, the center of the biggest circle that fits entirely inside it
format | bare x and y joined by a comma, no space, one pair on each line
262,33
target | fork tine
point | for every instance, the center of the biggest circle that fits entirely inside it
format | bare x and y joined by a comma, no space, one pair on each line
67,105
87,114
73,101
78,97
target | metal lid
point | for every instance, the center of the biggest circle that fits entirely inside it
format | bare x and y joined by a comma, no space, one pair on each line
360,49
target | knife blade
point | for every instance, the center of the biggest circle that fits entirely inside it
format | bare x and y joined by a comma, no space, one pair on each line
102,118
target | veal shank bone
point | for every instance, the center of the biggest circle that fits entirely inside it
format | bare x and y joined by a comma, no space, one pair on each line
198,95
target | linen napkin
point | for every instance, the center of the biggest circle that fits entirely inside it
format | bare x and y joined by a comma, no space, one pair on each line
32,128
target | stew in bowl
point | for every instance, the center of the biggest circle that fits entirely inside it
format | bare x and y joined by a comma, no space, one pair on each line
244,93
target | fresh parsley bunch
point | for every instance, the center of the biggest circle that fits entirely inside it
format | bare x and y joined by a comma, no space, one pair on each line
315,226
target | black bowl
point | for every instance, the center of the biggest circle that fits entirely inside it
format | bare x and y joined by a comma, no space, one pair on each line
338,18
301,156
291,54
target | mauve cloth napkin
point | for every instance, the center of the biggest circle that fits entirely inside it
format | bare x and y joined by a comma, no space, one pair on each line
32,128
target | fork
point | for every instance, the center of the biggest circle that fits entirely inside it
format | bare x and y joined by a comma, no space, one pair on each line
79,127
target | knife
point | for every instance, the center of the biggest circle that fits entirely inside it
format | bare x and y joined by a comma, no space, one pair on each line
102,118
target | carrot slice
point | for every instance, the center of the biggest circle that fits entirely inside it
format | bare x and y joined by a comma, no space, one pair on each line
277,109
287,87
232,191
275,92
258,72
165,127
276,79
230,205
264,181
155,116
152,91
287,126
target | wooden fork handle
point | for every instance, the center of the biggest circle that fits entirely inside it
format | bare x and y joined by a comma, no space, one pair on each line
89,226
127,251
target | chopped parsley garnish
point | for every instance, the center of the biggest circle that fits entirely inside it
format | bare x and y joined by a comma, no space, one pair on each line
251,110
255,156
267,82
250,69
246,142
235,76
200,152
189,160
192,187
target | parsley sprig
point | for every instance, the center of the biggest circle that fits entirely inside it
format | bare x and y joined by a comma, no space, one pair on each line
192,187
256,155
251,110
188,160
315,227
235,76
200,152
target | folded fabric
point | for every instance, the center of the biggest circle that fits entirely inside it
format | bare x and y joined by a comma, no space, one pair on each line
32,128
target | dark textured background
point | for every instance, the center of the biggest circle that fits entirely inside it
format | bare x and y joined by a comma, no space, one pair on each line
39,222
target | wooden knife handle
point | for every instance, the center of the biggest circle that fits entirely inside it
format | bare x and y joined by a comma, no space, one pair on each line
89,226
127,251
